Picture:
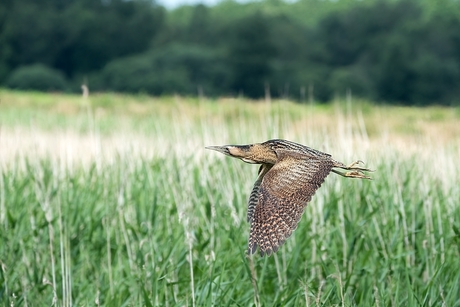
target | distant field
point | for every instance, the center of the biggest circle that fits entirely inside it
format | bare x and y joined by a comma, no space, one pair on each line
113,201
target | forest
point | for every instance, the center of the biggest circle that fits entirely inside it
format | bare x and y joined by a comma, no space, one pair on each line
399,52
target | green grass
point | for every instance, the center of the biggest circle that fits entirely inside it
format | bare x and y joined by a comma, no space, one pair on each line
134,212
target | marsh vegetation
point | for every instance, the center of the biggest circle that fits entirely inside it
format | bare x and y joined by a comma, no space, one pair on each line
113,201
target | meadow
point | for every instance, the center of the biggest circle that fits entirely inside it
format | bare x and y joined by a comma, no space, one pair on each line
112,200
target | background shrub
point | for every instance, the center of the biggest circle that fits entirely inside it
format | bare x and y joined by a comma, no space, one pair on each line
37,77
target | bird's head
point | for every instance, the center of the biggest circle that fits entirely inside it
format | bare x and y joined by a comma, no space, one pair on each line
242,152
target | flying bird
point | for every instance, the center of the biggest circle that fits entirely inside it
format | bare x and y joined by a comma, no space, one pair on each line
289,176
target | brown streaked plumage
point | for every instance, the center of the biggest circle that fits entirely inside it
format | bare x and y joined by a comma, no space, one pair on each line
289,176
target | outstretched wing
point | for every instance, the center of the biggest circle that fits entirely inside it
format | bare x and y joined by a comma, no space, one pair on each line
283,193
254,197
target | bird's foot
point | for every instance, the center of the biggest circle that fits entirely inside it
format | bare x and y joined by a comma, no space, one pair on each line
355,167
352,174
352,165
355,171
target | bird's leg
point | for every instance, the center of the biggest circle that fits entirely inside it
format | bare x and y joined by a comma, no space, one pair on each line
352,174
352,165
354,170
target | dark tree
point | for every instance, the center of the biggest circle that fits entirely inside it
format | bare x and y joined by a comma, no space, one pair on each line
251,53
78,36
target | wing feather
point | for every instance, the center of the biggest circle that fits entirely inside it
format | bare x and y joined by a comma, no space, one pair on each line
254,197
283,192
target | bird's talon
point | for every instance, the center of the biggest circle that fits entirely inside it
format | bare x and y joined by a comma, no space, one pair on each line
357,174
352,165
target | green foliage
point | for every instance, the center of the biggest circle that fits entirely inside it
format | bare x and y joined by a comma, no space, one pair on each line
181,69
251,53
164,222
77,36
37,77
391,52
402,51
134,232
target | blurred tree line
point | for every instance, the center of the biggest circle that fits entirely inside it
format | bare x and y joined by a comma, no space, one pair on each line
399,51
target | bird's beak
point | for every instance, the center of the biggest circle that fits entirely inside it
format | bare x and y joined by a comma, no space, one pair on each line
221,149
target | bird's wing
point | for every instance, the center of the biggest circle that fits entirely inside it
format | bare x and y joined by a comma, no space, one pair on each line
254,197
283,193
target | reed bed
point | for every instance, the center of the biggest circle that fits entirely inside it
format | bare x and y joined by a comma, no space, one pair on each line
113,201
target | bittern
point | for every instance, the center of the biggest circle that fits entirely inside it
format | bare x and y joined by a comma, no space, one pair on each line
289,176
